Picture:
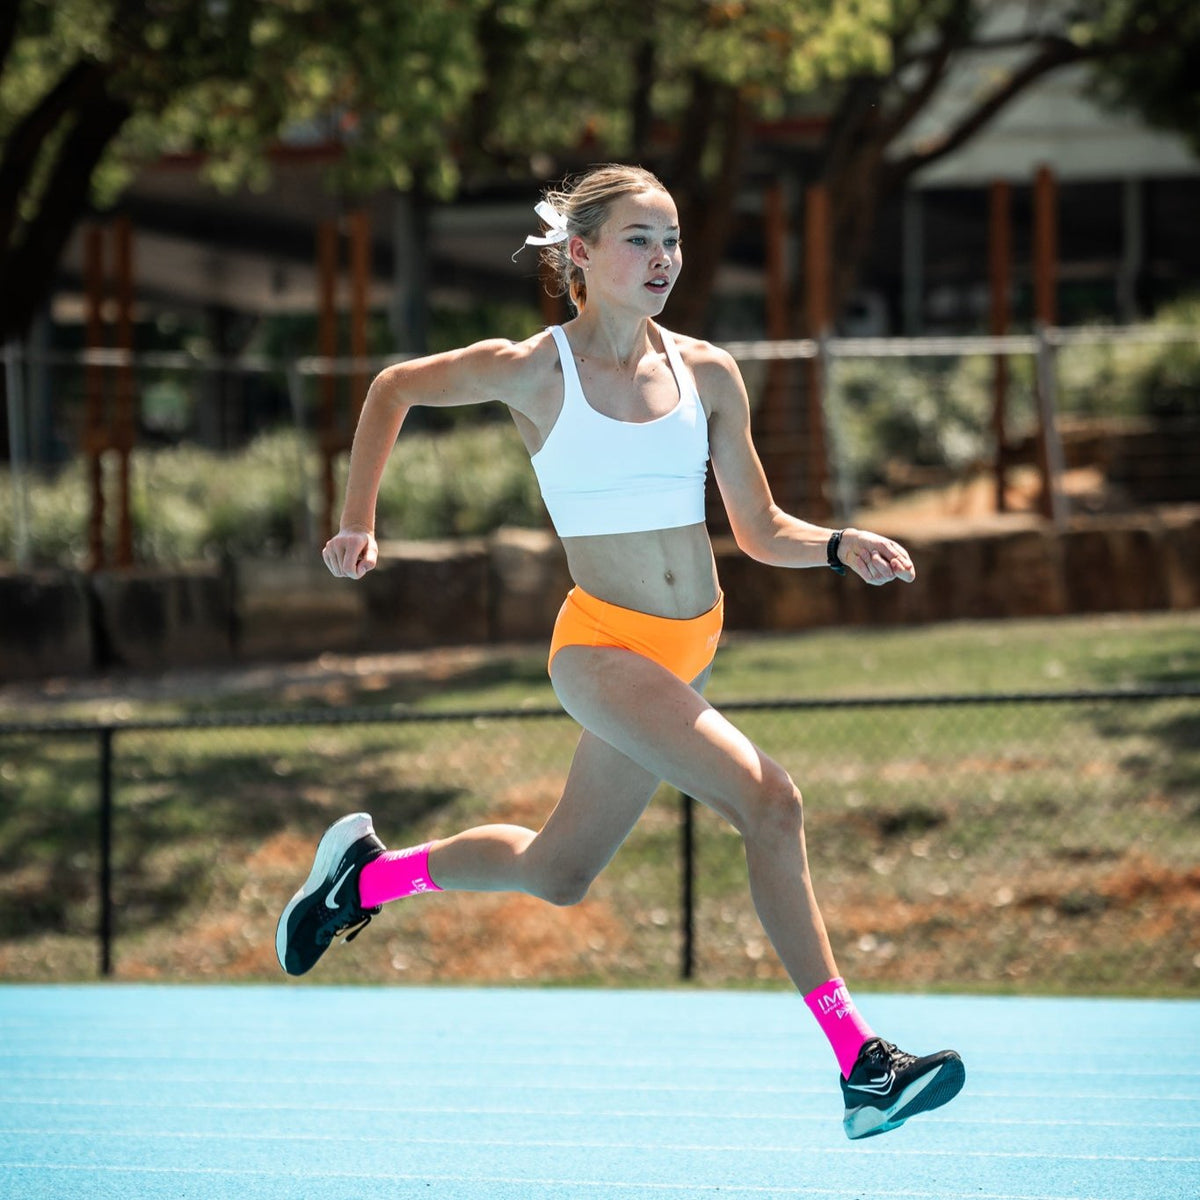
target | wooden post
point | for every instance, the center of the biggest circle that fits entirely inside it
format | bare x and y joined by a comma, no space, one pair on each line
1045,310
327,255
94,436
1000,259
124,416
817,283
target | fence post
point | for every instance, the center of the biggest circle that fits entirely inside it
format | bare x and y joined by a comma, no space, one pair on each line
999,273
106,821
837,467
1050,451
687,808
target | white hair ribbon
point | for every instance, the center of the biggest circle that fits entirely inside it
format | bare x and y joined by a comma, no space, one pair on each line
555,220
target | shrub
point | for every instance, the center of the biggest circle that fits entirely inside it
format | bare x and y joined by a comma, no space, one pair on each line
937,412
189,503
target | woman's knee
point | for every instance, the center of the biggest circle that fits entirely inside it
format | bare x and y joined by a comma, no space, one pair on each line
562,887
557,879
776,807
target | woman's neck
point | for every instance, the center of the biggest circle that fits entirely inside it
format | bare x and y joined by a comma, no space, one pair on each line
611,338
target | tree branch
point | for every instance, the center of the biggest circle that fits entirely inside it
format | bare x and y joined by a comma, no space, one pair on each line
845,135
708,207
694,132
65,199
642,116
75,89
920,95
1058,54
992,45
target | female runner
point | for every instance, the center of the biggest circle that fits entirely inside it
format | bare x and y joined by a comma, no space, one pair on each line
621,419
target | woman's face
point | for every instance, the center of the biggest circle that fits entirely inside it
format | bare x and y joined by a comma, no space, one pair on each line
636,258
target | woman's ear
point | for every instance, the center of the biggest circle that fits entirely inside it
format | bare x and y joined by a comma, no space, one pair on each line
579,252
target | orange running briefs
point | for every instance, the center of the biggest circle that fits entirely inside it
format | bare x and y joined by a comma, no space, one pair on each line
684,646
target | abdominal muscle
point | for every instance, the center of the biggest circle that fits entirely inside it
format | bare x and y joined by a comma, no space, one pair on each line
665,572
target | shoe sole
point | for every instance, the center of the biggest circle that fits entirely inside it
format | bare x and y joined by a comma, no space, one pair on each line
336,840
922,1095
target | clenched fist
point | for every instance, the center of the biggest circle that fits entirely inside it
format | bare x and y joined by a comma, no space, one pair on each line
351,553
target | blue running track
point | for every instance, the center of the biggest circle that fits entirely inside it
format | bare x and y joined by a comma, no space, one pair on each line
297,1092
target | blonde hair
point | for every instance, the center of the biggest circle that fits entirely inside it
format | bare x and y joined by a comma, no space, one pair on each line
585,202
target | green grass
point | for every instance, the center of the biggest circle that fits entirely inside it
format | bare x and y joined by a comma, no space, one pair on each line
970,657
1035,847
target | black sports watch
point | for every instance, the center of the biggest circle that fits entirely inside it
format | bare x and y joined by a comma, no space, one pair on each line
831,553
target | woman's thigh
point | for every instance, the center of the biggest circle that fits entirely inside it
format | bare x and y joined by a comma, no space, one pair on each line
664,726
605,794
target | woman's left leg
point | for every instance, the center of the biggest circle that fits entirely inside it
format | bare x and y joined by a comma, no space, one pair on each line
604,795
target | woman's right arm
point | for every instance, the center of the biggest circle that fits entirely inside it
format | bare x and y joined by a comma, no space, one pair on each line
485,371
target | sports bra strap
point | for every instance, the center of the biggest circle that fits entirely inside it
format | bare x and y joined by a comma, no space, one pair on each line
566,356
683,380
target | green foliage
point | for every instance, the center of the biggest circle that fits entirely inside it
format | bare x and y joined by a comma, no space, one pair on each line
920,412
424,89
938,412
191,504
1159,77
468,482
421,93
599,62
1169,384
387,77
452,328
1141,379
419,89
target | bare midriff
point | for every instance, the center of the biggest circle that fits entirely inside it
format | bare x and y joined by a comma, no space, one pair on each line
666,572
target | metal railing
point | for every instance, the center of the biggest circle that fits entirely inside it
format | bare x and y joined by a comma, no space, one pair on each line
956,406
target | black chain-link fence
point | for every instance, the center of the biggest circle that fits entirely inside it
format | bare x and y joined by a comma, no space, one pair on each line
1030,842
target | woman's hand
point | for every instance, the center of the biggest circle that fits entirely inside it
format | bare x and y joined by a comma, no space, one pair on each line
350,553
876,559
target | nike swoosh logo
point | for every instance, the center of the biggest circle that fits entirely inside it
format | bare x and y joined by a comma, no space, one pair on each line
331,900
878,1086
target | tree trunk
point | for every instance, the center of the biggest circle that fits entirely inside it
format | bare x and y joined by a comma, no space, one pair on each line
707,206
30,252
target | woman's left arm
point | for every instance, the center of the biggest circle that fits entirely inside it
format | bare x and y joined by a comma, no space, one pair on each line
761,528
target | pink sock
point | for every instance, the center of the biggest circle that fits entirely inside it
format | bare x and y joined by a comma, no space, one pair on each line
840,1022
394,875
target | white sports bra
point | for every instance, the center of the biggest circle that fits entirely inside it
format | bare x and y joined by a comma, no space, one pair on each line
599,475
